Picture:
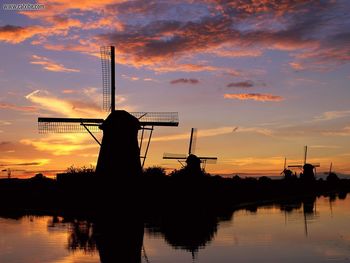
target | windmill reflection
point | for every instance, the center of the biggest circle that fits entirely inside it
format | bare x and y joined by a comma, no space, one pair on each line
308,206
187,230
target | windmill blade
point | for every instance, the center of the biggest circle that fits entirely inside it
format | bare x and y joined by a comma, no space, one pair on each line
67,125
174,156
157,118
106,77
76,125
193,140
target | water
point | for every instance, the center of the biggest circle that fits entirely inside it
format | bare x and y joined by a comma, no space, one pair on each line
304,231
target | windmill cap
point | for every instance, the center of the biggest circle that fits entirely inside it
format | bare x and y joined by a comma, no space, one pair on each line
120,119
308,166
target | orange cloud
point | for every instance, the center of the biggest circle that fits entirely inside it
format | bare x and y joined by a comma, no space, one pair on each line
50,65
17,34
254,96
296,66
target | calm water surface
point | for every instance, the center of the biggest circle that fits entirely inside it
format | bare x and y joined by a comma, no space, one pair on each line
295,232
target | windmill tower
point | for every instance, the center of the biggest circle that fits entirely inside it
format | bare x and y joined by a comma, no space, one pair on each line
190,156
120,147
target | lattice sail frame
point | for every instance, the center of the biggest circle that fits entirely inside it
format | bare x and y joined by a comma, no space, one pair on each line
76,125
106,77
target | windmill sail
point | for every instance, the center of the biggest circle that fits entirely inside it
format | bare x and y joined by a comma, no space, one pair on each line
193,140
174,156
76,125
106,77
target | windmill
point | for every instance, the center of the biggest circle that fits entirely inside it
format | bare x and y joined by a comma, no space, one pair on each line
181,158
120,147
305,162
8,171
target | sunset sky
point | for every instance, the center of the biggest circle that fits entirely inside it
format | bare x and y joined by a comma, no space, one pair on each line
277,69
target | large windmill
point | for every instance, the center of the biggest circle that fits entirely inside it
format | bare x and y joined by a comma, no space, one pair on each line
120,147
181,158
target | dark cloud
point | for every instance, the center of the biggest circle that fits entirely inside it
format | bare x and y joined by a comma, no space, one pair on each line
242,84
184,81
297,26
4,143
10,28
158,32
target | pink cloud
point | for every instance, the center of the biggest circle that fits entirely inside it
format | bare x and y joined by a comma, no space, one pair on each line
10,106
254,96
50,65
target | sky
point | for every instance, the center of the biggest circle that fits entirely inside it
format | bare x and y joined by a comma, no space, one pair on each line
259,80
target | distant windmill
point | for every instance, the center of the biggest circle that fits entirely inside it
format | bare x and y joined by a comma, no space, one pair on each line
191,150
305,162
8,171
120,149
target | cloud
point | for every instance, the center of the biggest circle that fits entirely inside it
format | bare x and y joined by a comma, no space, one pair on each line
65,107
152,34
242,84
215,132
50,65
259,130
254,96
320,146
229,52
184,81
10,106
61,144
296,66
5,122
200,133
184,67
16,34
22,162
332,115
87,106
343,132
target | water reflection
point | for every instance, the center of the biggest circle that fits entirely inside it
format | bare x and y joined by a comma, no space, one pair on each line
202,235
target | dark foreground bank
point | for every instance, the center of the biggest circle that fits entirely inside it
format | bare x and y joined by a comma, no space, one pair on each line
89,194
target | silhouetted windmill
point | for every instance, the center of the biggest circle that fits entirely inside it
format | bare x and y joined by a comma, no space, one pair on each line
191,150
305,162
120,149
8,171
